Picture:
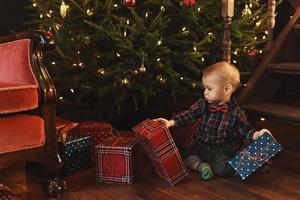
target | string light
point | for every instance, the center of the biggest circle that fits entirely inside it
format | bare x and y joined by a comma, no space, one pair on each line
181,78
202,59
101,71
72,90
158,59
194,85
161,79
146,14
159,42
34,5
198,9
41,16
195,48
125,81
118,54
53,63
127,21
162,8
61,98
57,27
115,5
89,12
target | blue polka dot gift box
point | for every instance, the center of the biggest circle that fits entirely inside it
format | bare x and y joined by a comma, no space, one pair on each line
75,152
256,154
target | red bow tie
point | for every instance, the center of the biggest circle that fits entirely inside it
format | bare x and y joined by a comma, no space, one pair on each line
216,108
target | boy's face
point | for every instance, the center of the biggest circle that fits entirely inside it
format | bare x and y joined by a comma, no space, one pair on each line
214,89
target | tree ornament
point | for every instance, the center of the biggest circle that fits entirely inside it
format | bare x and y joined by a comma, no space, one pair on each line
50,33
189,2
63,9
142,68
129,3
246,11
252,53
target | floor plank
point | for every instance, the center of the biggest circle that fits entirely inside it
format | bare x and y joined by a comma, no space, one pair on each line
278,184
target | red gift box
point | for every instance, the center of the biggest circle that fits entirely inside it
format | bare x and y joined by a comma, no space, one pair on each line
116,160
64,126
160,146
98,130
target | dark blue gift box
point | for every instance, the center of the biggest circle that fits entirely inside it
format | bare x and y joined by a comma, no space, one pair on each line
256,154
75,152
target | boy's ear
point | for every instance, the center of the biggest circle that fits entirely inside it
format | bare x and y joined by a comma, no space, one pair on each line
228,89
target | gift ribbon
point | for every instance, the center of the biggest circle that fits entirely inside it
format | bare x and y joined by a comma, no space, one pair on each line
256,159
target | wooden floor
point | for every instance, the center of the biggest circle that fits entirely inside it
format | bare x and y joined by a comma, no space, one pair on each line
282,183
277,184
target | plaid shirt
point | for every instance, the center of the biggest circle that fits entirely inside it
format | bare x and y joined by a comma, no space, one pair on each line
216,127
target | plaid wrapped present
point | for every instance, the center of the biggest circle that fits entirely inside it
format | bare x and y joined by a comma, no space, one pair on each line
157,141
116,160
256,154
75,151
98,130
64,126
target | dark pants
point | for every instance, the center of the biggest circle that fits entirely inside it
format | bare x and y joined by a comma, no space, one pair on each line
215,155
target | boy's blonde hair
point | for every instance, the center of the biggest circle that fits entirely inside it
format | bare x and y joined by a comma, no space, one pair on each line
228,73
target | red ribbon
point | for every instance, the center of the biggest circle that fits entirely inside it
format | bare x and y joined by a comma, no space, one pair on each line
219,108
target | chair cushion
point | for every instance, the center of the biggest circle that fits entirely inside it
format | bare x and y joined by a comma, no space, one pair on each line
15,64
18,132
15,97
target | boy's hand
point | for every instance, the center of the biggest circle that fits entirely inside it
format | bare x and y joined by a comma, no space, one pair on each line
167,123
257,134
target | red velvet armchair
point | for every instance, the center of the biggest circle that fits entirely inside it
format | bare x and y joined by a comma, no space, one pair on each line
27,102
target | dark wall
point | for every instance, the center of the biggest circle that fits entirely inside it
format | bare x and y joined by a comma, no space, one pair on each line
12,16
284,11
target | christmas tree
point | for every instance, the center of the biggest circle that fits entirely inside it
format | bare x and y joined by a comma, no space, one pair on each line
114,57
